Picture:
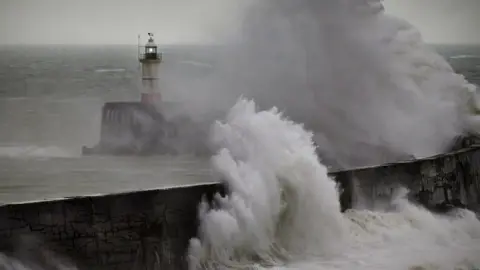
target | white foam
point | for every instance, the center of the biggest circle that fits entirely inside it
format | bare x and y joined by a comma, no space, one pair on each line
374,92
283,203
465,56
359,78
109,70
32,151
283,211
410,238
196,64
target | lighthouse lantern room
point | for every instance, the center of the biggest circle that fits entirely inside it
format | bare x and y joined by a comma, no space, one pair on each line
150,60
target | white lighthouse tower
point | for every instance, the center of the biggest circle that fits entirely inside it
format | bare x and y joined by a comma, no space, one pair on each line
150,60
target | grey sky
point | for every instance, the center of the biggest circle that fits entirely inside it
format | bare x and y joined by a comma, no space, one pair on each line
441,21
193,21
111,21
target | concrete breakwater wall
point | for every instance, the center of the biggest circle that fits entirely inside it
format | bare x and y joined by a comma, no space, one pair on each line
151,229
437,183
138,230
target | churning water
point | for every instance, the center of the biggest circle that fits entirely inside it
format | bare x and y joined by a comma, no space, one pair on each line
386,91
356,76
284,213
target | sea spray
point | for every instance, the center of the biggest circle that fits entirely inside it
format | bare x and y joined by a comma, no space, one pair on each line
30,254
283,211
281,202
372,91
31,151
409,237
357,77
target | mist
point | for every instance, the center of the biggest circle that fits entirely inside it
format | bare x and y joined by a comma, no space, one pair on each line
441,21
364,82
116,21
190,21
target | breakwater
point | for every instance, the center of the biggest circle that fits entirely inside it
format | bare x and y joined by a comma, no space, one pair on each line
438,183
150,229
138,230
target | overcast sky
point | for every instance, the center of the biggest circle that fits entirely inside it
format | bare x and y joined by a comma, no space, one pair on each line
441,21
193,21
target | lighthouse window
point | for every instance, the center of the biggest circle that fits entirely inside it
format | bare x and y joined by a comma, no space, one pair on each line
150,50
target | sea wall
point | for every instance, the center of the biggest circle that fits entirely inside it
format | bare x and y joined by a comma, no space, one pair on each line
138,230
151,229
438,183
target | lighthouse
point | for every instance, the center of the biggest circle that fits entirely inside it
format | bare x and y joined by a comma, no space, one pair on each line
150,59
137,127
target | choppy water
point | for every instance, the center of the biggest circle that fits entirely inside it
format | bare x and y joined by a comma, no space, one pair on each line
50,102
390,91
50,105
284,212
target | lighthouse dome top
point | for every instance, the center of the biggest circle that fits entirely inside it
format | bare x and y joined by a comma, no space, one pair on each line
150,51
150,42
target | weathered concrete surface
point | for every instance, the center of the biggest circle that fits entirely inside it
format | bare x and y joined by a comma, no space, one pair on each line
142,230
151,229
437,182
131,128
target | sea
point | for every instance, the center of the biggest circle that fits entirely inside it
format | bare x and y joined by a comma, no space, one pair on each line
284,211
50,102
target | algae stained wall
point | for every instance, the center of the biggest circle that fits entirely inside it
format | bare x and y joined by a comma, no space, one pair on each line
140,230
451,179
